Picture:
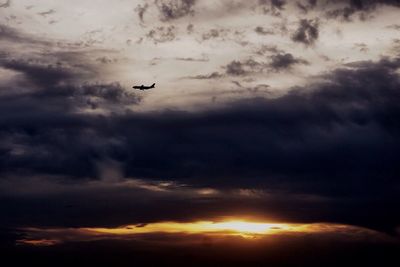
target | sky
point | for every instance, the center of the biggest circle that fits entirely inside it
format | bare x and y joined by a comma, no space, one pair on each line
273,123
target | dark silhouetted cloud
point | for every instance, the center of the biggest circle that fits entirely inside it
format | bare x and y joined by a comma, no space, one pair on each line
360,7
329,148
40,74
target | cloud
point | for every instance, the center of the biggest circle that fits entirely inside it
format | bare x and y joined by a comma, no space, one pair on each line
291,126
47,13
394,27
205,59
285,61
13,35
162,34
141,10
241,68
275,6
279,4
268,49
361,47
214,33
324,151
307,32
6,4
175,9
262,31
40,74
305,7
361,7
214,75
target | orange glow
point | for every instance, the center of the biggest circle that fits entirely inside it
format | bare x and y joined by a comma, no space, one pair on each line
38,243
242,228
235,227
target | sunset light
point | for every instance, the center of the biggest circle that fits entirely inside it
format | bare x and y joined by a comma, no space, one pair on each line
202,227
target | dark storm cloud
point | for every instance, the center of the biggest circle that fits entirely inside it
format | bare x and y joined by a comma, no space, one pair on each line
109,92
175,9
337,140
10,34
284,128
39,74
360,7
285,61
307,32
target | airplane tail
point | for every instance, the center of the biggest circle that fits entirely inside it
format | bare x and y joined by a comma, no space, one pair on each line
153,85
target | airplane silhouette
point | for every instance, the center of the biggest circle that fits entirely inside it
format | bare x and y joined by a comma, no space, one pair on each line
142,87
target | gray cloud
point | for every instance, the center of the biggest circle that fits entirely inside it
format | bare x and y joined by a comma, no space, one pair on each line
279,4
220,34
267,49
307,32
361,47
192,59
263,31
141,10
11,34
174,9
40,74
394,26
363,8
240,68
47,13
162,34
6,4
305,7
214,75
285,61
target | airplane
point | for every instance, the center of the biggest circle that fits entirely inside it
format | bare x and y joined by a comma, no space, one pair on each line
142,87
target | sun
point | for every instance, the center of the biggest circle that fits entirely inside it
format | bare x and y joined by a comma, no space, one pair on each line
245,227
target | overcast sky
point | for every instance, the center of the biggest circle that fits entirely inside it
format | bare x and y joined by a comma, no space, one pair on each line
283,110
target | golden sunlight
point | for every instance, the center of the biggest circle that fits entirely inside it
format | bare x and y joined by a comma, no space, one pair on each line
233,227
217,229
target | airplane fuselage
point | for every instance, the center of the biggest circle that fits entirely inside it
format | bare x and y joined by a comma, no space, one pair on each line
142,87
